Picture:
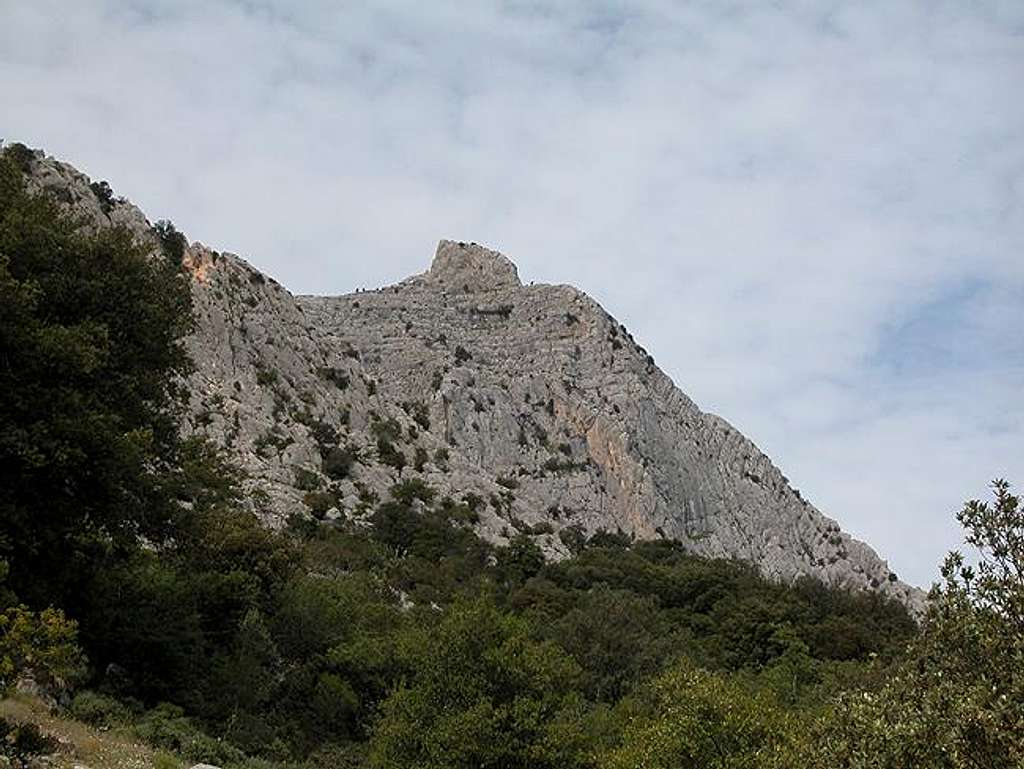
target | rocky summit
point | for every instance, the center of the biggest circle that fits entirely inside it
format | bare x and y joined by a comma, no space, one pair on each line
528,405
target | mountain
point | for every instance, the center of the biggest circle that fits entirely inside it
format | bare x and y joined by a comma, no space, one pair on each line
529,406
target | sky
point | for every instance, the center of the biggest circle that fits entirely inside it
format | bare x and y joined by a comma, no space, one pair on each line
810,212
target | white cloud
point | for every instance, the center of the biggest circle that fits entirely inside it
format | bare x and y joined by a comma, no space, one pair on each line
785,202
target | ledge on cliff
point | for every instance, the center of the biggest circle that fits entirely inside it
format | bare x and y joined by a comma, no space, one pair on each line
471,267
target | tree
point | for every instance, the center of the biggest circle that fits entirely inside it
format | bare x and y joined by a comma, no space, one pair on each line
617,637
243,682
518,561
793,669
957,700
91,327
481,695
995,590
702,720
43,646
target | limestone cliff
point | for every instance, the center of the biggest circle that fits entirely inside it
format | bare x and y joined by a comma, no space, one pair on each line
531,402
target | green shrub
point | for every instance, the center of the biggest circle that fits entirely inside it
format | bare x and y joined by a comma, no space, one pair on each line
164,760
272,437
394,524
319,502
306,480
323,433
412,489
617,540
389,455
419,412
172,242
43,645
334,375
702,719
167,727
99,710
302,526
265,376
104,195
420,459
23,157
459,512
386,429
337,462
486,693
574,538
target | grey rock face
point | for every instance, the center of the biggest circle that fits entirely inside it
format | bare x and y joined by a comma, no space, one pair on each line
530,402
471,268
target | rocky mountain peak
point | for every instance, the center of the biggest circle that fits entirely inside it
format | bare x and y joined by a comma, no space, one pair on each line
471,267
530,411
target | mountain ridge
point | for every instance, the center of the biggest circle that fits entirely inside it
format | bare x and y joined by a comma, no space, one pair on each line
528,405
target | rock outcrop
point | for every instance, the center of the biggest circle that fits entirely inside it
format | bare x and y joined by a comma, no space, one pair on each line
530,404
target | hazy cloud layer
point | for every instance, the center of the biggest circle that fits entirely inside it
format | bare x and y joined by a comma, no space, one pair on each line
810,212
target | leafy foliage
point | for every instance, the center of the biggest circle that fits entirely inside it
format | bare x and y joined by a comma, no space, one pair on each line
702,720
99,709
86,425
957,699
42,645
481,693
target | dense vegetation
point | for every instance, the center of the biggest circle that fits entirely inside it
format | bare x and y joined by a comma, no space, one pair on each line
154,601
